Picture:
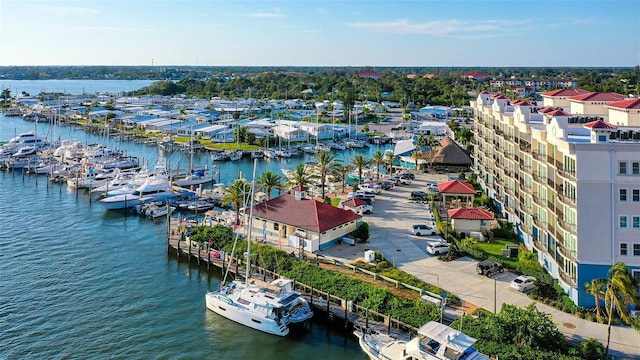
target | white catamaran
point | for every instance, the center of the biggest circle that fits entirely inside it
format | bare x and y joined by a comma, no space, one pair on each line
266,308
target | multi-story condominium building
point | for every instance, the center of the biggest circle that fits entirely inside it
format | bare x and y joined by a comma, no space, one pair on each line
567,174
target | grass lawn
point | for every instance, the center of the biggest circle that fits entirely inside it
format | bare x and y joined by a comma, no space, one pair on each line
494,247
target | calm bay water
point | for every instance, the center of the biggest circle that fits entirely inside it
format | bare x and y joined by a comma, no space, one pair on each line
77,281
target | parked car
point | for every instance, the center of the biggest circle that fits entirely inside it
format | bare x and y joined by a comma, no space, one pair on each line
393,180
422,229
523,283
367,209
404,181
419,195
408,176
386,185
488,268
433,187
437,248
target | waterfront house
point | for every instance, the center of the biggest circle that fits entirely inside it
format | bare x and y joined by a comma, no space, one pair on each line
295,220
467,220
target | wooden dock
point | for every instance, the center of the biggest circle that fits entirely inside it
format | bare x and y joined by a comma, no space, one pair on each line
334,309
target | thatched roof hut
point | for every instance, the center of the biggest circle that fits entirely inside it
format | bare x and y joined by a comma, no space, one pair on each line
449,153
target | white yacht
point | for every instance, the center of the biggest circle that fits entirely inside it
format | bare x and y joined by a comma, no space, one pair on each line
152,190
434,341
194,177
269,309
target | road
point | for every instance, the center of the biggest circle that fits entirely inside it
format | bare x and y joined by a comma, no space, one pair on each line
390,229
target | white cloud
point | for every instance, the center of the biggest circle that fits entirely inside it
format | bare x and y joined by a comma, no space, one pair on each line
273,14
438,28
67,10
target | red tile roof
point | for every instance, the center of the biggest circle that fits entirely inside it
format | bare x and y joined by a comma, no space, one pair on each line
456,187
485,92
626,104
470,214
599,124
353,202
500,96
558,112
564,92
524,103
306,214
599,96
547,110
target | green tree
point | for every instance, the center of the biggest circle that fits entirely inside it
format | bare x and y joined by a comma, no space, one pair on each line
269,180
343,170
301,176
596,287
591,349
237,194
389,158
378,159
360,162
621,290
416,155
325,162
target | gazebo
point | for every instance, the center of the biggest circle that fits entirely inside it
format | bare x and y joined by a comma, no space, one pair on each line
457,193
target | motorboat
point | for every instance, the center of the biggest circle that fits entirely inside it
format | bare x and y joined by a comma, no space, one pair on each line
194,177
26,139
265,308
435,341
151,190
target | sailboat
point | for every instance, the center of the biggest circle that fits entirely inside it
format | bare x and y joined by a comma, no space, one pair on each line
194,176
266,308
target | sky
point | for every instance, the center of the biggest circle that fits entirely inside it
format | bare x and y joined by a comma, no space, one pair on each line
417,33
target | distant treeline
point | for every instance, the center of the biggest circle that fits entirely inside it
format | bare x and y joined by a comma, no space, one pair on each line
445,85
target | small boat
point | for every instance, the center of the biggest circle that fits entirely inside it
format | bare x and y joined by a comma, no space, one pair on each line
151,190
219,156
434,341
236,155
269,309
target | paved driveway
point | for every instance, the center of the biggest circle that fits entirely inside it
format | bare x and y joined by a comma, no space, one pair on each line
390,229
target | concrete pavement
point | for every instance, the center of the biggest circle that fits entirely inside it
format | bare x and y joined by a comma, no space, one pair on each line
390,228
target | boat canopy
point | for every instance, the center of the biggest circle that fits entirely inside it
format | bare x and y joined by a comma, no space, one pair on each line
443,334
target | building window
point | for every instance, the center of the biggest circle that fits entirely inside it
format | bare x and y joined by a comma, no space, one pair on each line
635,168
623,195
602,138
636,195
622,166
636,249
623,222
635,222
276,226
623,249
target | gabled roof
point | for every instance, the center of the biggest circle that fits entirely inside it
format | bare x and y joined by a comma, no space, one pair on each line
547,110
524,103
626,104
456,187
564,92
500,96
599,96
470,214
305,214
599,124
558,112
484,92
353,202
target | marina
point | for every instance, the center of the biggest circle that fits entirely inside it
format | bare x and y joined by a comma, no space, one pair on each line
72,265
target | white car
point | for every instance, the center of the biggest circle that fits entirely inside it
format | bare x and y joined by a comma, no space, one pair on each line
437,248
523,283
422,229
367,209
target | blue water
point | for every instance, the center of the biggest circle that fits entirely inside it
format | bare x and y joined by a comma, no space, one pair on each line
73,87
80,282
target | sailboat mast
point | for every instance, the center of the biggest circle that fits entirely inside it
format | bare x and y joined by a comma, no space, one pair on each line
253,193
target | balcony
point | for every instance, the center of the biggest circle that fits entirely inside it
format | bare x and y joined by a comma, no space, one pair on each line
538,201
537,178
571,255
538,246
525,146
569,175
566,226
566,278
563,199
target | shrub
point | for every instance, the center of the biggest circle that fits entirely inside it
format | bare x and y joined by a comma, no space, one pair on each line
362,232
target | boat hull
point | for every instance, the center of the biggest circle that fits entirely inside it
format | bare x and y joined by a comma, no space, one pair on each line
226,307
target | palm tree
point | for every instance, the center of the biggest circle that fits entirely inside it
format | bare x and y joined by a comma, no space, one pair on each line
433,144
269,180
360,162
237,194
621,290
416,155
301,176
596,287
343,170
326,161
388,161
378,159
